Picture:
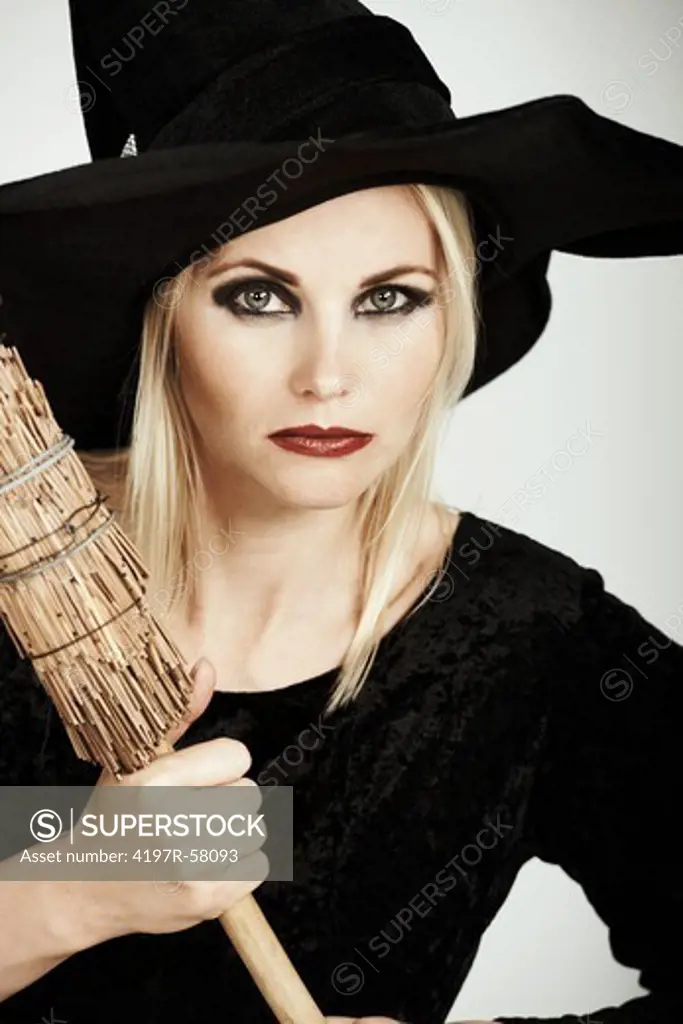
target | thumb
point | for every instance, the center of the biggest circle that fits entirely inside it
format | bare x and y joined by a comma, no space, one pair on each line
204,675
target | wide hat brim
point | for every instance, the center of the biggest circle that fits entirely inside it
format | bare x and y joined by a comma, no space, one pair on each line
82,249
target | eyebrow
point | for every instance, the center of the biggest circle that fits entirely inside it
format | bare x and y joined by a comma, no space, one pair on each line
292,279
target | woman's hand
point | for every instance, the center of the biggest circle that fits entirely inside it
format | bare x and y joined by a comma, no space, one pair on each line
113,908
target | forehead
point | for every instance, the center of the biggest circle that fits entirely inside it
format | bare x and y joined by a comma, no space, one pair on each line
367,224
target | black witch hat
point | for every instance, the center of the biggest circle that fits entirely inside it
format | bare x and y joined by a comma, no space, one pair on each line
239,113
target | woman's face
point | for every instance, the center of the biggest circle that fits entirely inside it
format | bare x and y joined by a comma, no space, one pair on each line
329,318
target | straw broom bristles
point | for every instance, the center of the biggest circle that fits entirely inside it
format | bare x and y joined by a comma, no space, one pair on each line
116,678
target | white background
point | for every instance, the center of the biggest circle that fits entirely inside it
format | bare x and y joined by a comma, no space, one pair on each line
610,361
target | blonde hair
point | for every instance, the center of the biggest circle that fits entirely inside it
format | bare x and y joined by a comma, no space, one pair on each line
157,481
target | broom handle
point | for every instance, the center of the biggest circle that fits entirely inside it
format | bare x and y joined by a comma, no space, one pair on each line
268,964
265,958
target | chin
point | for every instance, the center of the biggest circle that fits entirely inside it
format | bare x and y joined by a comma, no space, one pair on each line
329,490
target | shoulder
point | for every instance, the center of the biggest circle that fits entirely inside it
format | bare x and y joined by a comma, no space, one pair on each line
24,711
35,748
557,613
518,574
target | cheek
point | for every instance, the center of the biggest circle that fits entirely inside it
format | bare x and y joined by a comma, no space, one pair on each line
209,388
204,353
226,382
402,365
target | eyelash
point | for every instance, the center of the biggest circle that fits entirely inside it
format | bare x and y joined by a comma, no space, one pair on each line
225,295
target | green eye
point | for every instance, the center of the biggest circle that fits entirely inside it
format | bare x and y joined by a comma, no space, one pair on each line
252,298
256,298
385,298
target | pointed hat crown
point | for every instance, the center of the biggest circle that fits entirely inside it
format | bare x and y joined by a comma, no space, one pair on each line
185,72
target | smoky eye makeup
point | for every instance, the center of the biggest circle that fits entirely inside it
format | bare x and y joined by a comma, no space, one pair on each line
250,297
256,290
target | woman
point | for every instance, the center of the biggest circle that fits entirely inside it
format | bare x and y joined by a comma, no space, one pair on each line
441,692
255,358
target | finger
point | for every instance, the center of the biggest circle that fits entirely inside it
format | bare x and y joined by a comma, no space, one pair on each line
210,763
252,801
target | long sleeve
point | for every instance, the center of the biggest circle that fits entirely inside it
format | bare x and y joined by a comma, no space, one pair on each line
606,803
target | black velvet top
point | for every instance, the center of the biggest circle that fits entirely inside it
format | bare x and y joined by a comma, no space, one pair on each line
522,711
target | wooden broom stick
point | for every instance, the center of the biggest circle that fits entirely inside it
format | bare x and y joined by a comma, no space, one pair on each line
266,960
72,596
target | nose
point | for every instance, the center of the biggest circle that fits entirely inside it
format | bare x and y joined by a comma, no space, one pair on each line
324,362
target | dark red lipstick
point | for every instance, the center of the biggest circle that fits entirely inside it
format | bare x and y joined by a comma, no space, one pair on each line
325,442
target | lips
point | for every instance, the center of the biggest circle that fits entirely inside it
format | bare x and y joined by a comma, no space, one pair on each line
325,442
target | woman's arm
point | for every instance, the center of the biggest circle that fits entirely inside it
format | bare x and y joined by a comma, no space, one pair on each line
41,924
607,801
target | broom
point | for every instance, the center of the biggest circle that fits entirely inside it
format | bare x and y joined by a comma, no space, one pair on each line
73,601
